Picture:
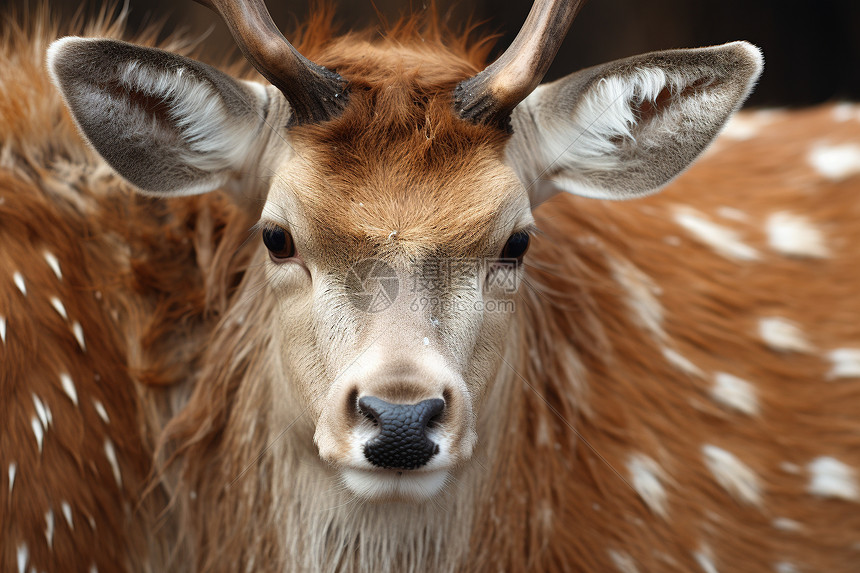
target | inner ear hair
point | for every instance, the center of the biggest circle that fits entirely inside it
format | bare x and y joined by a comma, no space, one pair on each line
627,128
166,123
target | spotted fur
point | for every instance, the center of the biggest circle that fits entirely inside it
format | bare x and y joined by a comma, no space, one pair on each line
641,419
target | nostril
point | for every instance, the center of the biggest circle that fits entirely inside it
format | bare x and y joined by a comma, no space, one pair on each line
353,409
369,409
435,421
434,412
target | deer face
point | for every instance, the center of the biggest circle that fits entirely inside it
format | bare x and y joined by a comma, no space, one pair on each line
395,290
397,212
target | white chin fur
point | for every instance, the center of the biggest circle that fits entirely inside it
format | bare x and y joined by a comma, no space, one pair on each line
387,484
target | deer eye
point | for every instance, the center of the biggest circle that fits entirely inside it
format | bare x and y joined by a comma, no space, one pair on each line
279,242
516,247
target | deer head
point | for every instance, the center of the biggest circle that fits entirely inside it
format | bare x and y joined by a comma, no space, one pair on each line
399,201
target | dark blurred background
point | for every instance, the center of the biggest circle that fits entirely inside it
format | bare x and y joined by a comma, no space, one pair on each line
812,48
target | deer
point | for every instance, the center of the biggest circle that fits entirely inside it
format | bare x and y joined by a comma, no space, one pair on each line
387,307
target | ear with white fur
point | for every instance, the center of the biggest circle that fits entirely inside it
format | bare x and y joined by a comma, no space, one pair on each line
168,124
626,128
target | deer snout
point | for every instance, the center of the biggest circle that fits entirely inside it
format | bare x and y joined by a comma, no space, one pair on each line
403,442
397,433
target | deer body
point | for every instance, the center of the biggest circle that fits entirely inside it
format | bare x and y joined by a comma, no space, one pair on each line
674,392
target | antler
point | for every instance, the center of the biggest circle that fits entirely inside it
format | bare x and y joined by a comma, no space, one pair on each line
315,93
491,95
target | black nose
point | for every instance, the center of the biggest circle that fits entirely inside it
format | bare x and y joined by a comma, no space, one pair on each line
402,442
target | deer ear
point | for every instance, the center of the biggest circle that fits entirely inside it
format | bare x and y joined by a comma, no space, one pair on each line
167,124
627,128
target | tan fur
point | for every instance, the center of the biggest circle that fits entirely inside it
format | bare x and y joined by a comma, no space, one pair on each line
177,318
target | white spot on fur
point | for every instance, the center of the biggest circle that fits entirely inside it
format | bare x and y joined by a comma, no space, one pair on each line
23,556
845,112
681,362
94,569
795,236
543,435
40,410
785,524
100,410
733,475
49,528
705,560
110,453
19,282
78,331
426,341
647,477
13,471
641,298
58,306
54,264
782,335
745,126
836,162
69,387
740,129
3,329
785,567
832,478
732,214
846,363
790,468
38,431
623,562
735,393
723,240
545,515
67,513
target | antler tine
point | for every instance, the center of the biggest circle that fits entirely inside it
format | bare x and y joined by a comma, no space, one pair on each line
491,95
314,92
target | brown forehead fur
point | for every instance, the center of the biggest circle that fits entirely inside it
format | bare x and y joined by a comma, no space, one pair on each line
399,159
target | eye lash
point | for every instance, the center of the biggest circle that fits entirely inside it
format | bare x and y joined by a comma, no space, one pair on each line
532,229
268,225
